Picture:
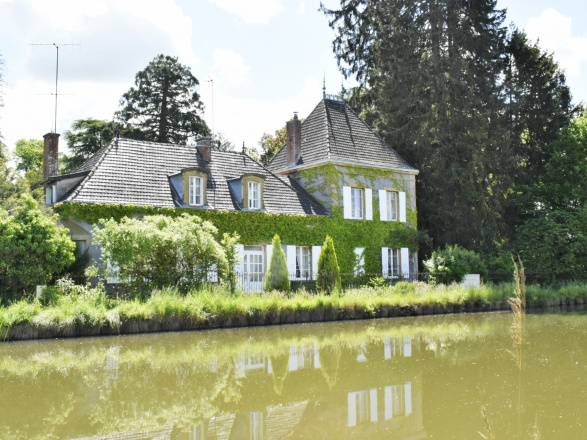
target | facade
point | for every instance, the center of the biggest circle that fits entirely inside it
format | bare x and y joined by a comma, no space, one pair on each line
334,176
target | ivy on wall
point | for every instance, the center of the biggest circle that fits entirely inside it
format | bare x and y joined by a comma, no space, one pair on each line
300,230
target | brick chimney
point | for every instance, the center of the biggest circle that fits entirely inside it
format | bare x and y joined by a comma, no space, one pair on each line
50,155
294,140
204,146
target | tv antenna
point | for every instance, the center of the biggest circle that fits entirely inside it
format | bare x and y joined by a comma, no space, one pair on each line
211,81
57,46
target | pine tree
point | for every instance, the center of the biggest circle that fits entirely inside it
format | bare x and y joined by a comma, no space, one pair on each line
328,279
277,277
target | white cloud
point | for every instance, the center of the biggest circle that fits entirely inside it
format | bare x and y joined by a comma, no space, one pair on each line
251,11
554,32
302,7
231,65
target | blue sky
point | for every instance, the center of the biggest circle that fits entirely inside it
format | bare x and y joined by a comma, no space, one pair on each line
266,58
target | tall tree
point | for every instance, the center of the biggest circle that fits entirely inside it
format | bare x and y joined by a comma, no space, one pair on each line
270,144
29,154
11,186
429,79
87,136
164,103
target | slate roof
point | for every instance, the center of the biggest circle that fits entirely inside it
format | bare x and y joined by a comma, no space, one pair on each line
334,131
129,172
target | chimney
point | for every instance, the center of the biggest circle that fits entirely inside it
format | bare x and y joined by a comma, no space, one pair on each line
294,140
204,146
50,159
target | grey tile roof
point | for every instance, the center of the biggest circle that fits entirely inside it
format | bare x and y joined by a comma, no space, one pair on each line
334,131
129,172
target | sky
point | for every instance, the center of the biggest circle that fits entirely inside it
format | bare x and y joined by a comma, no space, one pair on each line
258,61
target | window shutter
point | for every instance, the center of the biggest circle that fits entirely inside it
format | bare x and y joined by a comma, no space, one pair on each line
384,262
268,252
405,262
290,254
352,409
373,403
402,206
191,200
315,255
346,201
239,251
383,205
368,204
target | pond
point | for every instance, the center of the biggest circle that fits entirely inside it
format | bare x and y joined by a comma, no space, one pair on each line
403,378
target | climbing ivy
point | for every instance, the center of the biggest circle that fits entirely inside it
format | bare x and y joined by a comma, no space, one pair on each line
301,230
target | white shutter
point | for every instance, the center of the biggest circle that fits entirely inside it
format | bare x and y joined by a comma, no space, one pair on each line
368,204
373,403
384,262
387,406
408,398
405,262
290,255
315,255
269,251
316,356
402,206
383,205
352,409
346,201
239,251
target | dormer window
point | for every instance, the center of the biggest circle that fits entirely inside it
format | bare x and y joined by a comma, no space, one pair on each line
254,195
252,185
196,191
195,181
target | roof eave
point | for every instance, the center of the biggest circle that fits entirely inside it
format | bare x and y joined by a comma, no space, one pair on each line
289,170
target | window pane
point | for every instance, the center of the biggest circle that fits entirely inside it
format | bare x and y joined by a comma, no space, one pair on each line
392,205
254,195
357,202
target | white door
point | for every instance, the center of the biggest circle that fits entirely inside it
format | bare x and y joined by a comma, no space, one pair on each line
253,269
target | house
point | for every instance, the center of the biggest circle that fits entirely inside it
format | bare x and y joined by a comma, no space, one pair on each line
334,176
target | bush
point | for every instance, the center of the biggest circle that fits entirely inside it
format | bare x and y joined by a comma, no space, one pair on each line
33,248
277,277
328,279
500,267
159,251
451,264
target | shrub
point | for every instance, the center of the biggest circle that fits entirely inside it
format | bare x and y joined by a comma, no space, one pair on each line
328,279
33,247
452,263
277,277
159,251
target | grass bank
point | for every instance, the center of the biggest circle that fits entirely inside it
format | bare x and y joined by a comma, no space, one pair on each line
81,311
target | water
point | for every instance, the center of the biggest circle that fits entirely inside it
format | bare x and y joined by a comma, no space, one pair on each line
409,378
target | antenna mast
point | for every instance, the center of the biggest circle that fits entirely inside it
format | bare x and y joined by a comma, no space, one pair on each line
211,81
56,45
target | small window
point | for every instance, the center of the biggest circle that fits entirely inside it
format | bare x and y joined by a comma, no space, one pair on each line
392,205
196,191
302,262
357,203
393,262
254,193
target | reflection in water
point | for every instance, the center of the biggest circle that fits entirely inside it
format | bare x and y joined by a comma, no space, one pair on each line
399,378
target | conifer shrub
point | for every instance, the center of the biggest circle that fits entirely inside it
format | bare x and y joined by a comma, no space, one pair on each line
328,279
277,277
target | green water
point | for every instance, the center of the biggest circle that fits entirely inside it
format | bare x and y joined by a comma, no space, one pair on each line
408,378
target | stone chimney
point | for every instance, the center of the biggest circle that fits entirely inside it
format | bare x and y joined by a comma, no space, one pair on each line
294,140
204,146
50,155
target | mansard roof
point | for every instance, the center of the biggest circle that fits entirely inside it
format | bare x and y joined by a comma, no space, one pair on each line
129,172
334,132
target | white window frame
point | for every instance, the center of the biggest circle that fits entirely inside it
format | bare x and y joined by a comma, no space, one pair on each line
303,262
254,195
392,202
357,203
196,191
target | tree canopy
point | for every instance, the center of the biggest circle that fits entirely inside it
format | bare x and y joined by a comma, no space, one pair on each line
29,154
164,103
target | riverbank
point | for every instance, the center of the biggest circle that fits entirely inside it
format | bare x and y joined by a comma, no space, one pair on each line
89,312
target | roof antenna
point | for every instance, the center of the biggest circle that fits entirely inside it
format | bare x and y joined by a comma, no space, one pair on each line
324,86
243,147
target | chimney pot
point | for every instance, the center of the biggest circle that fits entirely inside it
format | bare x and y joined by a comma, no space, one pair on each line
204,146
294,140
51,155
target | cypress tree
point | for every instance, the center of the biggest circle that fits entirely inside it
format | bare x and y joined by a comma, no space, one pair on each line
277,277
328,278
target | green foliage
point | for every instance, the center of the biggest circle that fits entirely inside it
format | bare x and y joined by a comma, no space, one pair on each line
32,248
328,279
451,264
500,267
270,144
221,142
164,104
229,242
29,154
159,251
87,136
11,185
277,277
